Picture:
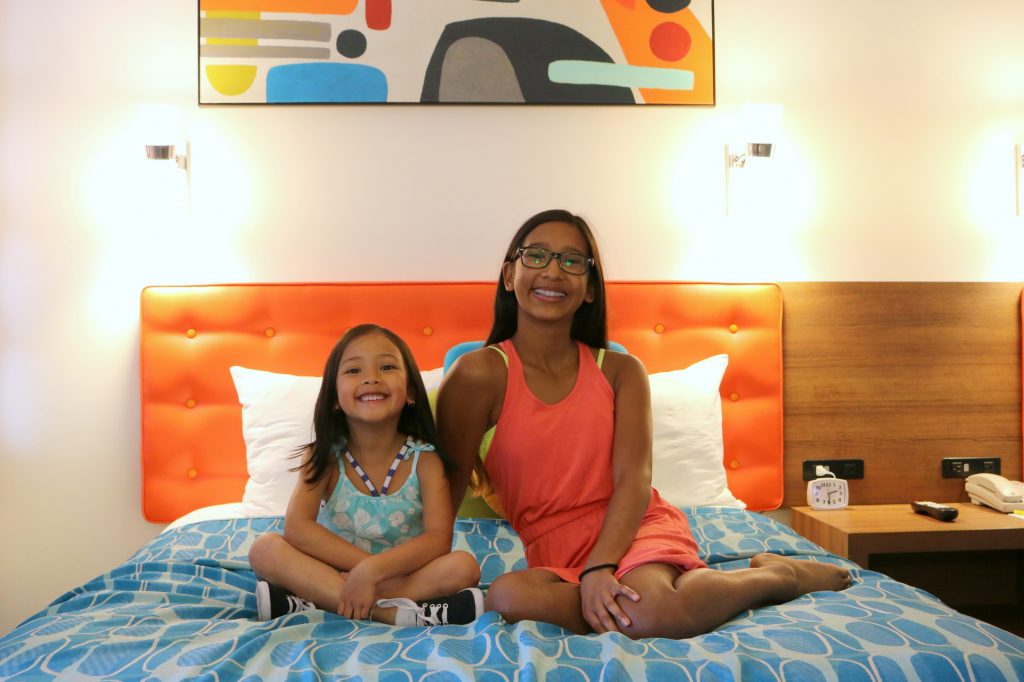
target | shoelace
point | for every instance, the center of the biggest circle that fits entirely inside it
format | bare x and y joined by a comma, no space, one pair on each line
296,604
434,618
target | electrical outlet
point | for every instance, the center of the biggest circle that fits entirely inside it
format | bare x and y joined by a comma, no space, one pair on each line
842,468
962,467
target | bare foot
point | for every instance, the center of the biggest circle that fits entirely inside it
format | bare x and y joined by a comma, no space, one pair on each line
811,576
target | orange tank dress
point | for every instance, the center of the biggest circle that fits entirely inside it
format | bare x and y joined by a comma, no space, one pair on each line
551,466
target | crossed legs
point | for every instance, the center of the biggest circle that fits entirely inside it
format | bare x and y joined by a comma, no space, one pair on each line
672,604
276,561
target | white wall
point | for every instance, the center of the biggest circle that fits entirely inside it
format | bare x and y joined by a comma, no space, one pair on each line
894,163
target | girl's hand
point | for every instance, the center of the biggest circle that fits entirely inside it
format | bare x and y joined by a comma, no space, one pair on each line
598,591
358,594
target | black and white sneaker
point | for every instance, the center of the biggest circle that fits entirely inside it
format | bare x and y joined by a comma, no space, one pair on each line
274,602
460,608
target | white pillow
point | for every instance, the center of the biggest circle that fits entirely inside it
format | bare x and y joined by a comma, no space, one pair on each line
432,378
277,420
686,409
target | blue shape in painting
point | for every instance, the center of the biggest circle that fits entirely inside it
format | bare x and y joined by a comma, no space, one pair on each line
322,83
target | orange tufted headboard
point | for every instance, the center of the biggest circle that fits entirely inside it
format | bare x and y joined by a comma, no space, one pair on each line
192,449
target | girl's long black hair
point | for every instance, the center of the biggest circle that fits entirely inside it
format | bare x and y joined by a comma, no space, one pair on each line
330,426
589,324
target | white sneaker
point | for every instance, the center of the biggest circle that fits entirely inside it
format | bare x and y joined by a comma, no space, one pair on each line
457,609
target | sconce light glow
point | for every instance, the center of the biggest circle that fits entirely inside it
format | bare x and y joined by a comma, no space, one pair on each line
145,234
759,123
1018,176
765,237
757,129
160,123
992,201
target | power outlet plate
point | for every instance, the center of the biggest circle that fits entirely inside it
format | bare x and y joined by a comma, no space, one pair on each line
842,468
962,467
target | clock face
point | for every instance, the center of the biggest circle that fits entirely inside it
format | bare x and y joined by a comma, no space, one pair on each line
827,493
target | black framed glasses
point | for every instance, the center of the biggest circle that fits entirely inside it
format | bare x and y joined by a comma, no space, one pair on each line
569,261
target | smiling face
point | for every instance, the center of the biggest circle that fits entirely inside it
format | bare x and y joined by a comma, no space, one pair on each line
372,380
550,293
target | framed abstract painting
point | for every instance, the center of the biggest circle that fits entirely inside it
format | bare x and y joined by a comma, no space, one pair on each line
456,51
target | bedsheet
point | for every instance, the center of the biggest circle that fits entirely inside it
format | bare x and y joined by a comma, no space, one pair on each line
183,607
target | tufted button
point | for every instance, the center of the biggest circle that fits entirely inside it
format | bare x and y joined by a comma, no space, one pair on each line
269,331
734,464
190,333
428,330
733,328
190,403
659,328
192,472
734,397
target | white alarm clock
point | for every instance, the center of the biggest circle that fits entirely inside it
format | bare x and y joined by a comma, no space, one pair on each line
828,493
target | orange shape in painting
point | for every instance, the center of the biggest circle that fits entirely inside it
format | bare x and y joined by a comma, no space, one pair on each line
637,30
296,6
230,80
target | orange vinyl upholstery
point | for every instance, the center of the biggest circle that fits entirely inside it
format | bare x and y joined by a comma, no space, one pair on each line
193,454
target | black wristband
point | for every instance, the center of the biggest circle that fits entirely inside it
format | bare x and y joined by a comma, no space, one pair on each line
614,568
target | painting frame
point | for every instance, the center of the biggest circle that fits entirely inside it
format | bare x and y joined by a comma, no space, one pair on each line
610,52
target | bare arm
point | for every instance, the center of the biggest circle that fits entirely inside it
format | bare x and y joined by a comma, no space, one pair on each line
468,403
302,531
631,472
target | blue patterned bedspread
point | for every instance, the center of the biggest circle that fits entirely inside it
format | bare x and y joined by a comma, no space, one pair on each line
183,607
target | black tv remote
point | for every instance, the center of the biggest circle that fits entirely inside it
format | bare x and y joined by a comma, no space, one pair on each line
935,510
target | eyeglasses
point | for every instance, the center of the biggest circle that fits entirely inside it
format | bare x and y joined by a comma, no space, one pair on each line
538,258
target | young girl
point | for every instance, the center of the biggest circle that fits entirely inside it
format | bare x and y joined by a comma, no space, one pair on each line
570,461
368,532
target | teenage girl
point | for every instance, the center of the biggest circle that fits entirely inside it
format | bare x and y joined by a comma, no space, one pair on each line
368,529
570,461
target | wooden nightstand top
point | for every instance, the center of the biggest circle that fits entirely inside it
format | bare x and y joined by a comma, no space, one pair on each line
859,531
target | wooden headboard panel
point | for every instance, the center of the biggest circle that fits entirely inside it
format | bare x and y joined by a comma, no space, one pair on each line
192,449
901,375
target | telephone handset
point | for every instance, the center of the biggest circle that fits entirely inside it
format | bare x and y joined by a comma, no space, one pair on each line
995,491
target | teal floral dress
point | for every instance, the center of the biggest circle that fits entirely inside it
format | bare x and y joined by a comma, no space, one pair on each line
374,524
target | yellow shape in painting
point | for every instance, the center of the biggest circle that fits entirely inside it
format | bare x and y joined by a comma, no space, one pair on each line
231,80
234,15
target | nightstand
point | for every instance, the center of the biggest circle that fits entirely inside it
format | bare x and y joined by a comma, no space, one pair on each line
975,563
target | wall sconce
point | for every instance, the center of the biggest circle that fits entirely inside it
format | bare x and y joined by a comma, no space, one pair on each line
755,130
760,150
1018,175
165,152
746,190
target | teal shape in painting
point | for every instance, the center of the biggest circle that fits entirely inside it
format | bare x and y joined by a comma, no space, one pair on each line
318,83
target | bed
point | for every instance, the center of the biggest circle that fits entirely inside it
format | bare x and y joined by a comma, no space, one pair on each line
215,363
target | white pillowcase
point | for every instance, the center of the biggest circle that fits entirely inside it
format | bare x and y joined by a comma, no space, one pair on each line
277,420
686,409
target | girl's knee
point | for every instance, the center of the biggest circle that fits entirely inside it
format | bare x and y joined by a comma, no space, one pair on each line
466,567
264,551
503,596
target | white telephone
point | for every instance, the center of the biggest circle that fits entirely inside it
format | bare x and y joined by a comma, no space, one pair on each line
995,491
